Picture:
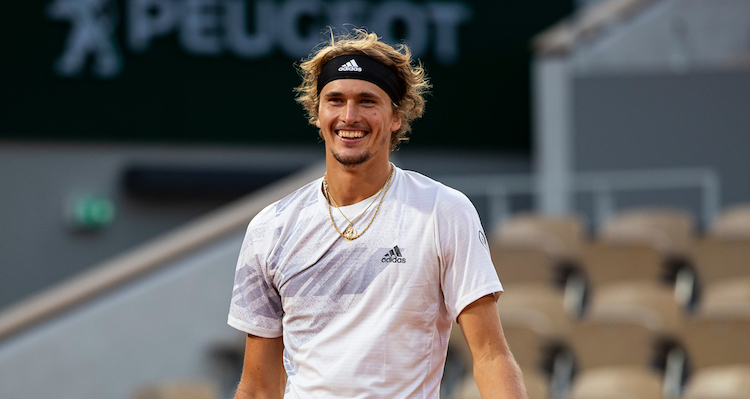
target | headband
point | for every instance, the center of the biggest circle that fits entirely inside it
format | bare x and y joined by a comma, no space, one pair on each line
362,67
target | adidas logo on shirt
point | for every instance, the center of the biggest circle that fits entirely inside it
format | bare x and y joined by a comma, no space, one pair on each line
350,66
393,256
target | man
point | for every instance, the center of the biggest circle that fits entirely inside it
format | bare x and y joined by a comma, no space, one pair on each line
352,282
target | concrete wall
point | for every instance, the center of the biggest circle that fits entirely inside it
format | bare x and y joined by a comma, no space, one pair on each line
39,180
157,329
666,121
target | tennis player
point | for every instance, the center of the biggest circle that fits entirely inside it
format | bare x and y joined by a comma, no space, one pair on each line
348,287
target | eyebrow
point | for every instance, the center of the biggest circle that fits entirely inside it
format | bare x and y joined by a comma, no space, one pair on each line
365,94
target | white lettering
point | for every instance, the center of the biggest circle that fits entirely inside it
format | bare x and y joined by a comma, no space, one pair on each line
148,19
200,28
447,17
213,27
294,44
257,45
411,15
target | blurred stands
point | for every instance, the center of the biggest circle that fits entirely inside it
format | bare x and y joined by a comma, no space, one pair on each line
717,336
645,332
179,390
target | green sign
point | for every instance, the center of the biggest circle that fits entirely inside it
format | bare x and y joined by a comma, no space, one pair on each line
92,213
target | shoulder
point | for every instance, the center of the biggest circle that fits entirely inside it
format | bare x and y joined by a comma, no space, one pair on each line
427,188
424,185
287,208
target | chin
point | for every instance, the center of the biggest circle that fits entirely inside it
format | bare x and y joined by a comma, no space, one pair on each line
351,160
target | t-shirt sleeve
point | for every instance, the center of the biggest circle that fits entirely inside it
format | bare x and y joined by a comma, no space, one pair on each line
467,272
256,304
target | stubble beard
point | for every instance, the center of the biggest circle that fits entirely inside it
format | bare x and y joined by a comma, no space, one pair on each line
352,160
359,159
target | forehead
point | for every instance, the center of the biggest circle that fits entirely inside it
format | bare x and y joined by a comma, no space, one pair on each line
353,87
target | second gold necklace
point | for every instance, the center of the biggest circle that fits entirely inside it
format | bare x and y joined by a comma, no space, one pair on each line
350,233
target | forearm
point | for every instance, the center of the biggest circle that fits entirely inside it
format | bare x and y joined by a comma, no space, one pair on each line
245,392
250,389
499,377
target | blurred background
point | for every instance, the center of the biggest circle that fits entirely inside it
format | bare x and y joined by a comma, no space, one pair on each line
603,143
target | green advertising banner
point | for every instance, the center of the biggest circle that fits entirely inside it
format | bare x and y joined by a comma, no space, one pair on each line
222,71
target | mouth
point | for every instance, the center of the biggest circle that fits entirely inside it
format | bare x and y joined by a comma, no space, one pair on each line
351,134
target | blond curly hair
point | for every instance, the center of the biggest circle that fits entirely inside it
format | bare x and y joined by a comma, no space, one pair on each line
360,41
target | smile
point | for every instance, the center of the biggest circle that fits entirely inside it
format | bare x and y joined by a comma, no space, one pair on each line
351,134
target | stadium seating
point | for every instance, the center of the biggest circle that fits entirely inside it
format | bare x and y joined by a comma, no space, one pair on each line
534,322
727,297
179,390
537,386
561,237
732,382
645,246
538,259
617,383
543,250
646,333
717,342
626,329
717,258
532,248
717,335
722,258
732,223
670,231
608,263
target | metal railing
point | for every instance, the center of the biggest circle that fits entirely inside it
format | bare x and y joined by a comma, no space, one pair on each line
603,186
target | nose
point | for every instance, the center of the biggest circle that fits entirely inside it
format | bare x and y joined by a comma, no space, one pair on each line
350,113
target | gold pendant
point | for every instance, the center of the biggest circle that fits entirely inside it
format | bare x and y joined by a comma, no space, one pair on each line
350,233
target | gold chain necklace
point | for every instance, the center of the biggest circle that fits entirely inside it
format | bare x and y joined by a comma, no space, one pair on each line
350,233
351,222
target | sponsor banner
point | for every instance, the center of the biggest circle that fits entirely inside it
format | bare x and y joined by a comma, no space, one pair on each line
221,71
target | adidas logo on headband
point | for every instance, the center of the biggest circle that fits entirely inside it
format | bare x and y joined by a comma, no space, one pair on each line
371,70
350,67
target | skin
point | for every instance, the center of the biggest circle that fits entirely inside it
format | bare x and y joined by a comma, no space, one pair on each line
263,375
356,169
495,371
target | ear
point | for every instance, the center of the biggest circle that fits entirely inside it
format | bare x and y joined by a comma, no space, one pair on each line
317,123
396,123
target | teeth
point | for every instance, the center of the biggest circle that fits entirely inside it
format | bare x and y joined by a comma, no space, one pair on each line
348,134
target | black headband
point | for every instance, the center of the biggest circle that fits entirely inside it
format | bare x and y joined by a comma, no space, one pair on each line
362,67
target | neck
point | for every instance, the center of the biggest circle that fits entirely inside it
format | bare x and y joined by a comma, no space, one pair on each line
351,184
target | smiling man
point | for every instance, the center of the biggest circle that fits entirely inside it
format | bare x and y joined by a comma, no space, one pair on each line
348,287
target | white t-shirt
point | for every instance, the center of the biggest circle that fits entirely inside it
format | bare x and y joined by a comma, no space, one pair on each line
368,318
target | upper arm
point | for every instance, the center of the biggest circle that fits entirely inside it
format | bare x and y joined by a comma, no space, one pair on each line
495,371
263,373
